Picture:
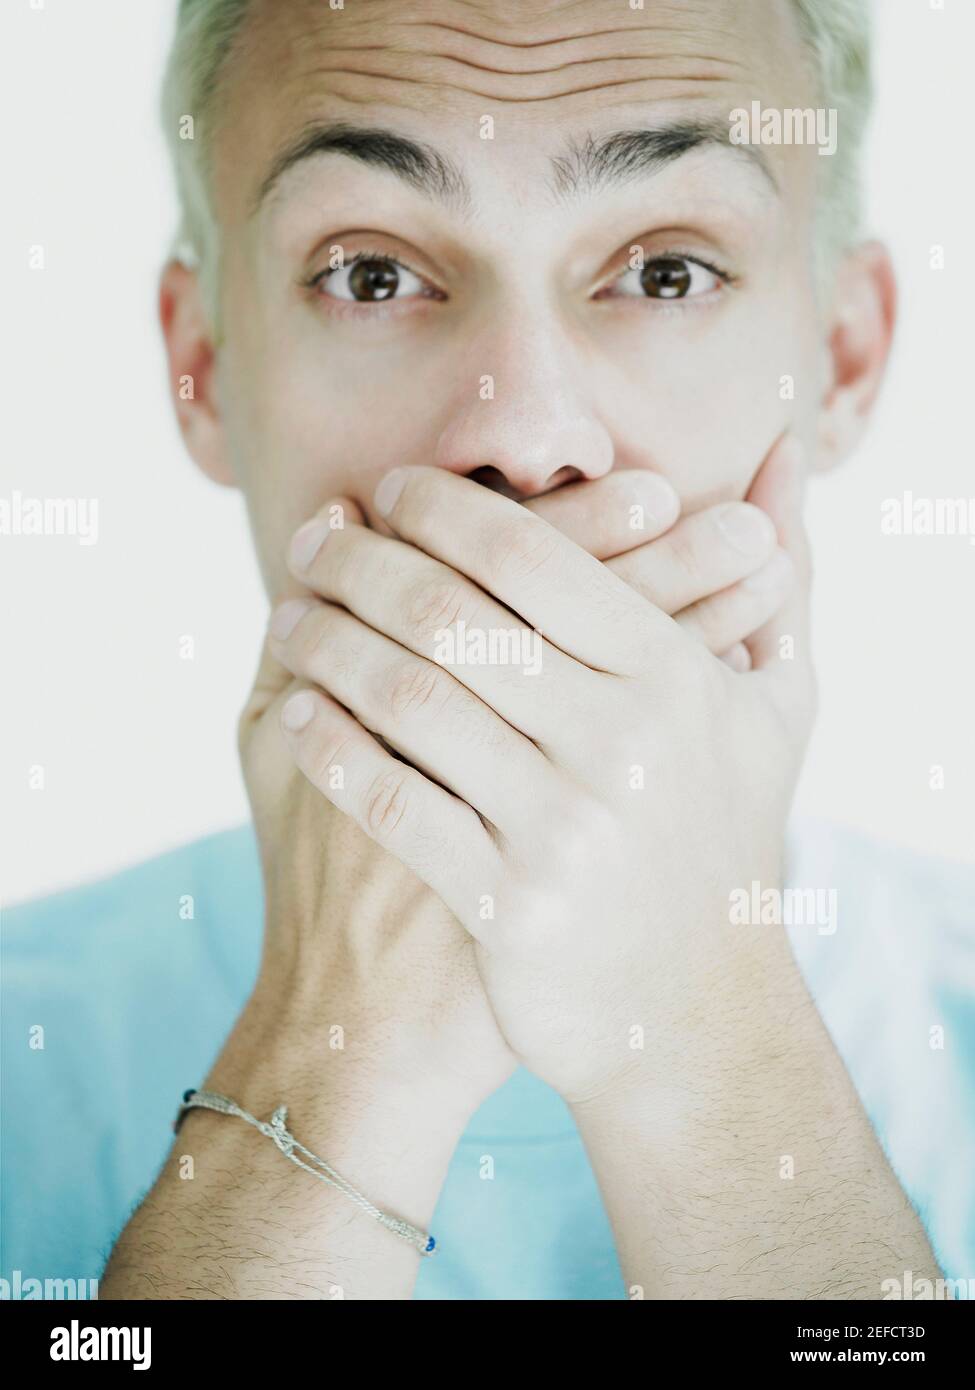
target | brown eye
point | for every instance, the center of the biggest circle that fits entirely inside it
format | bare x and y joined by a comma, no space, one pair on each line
668,277
371,280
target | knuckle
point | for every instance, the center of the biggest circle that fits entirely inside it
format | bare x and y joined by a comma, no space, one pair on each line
521,548
414,686
331,646
437,605
386,803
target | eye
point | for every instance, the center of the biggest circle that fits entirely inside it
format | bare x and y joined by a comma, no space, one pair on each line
370,279
669,277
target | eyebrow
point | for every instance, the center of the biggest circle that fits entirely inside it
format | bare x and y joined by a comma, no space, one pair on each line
593,165
589,165
418,164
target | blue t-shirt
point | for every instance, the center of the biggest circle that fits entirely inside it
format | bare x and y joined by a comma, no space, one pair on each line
119,995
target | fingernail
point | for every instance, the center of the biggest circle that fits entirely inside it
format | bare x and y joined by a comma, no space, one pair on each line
748,528
775,575
306,542
387,493
287,617
298,711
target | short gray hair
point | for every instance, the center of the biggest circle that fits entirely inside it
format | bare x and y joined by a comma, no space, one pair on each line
837,33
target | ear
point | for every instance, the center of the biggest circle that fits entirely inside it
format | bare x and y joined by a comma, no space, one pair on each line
860,333
191,358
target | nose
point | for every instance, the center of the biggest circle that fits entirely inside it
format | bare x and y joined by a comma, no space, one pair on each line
523,421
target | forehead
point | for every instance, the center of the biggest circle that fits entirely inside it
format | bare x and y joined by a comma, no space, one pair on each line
546,74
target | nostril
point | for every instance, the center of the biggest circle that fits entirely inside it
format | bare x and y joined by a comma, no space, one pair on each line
494,479
497,481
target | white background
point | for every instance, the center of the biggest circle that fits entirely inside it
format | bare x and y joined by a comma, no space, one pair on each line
137,745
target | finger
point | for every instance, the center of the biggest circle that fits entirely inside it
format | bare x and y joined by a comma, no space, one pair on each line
778,491
434,834
727,618
333,517
702,554
416,706
608,516
781,650
576,602
272,678
431,610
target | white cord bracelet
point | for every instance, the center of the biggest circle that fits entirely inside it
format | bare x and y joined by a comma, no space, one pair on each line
287,1143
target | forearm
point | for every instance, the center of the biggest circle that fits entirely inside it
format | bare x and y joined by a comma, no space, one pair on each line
249,1224
747,1168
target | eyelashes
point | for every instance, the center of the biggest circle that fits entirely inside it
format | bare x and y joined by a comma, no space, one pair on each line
374,283
376,274
670,278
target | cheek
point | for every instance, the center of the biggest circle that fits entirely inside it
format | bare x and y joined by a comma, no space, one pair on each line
309,431
714,397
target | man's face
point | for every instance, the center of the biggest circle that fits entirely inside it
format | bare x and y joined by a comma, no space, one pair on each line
515,337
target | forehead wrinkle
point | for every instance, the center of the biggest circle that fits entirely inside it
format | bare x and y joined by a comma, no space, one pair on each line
391,61
441,84
513,43
376,44
640,42
715,65
573,23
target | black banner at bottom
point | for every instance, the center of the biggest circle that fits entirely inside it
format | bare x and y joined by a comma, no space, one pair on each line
280,1338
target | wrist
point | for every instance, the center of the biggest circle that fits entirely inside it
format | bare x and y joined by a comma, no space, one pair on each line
391,1136
738,1030
285,1049
253,1225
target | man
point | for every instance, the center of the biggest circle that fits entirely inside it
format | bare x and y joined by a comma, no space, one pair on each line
490,318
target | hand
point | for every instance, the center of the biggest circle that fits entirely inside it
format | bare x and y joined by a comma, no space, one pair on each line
696,567
354,938
718,572
596,904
